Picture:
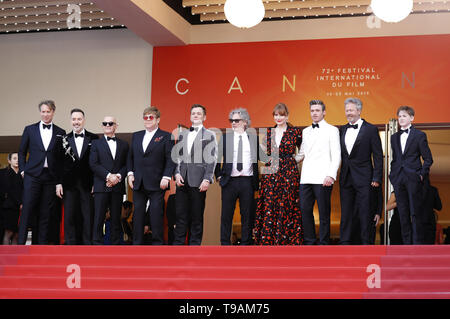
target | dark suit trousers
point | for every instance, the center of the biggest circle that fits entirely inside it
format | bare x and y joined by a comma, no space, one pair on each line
309,193
77,207
355,200
156,210
237,187
102,202
409,198
38,202
190,206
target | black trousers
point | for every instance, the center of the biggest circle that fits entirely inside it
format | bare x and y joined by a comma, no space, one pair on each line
409,198
156,211
39,198
103,202
190,207
355,208
309,194
237,188
78,202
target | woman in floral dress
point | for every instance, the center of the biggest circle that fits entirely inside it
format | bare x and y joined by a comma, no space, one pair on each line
278,217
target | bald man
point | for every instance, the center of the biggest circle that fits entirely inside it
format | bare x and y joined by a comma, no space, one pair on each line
108,160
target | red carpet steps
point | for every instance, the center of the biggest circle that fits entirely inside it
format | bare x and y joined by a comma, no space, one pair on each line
211,272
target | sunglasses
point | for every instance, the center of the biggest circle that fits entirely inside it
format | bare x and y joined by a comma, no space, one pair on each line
108,123
149,117
235,120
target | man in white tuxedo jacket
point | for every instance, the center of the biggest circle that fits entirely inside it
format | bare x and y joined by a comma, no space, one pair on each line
321,155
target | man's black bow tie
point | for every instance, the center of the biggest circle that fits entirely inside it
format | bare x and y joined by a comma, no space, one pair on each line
49,126
404,131
355,126
79,135
111,138
193,129
315,125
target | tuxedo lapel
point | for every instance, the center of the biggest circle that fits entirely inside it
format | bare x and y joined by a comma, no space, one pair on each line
152,143
73,145
37,133
139,139
344,148
410,139
360,136
106,147
86,141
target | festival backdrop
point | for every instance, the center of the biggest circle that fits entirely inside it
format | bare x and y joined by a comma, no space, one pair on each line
384,72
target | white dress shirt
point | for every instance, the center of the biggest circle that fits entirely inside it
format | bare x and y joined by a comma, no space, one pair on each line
79,142
351,135
191,137
112,146
404,138
46,136
321,153
147,138
247,169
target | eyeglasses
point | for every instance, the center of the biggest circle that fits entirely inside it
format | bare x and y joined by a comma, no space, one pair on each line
235,120
149,117
108,123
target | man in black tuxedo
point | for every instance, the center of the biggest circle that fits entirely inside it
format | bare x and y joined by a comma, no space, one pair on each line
41,173
362,168
196,156
108,161
237,173
150,169
409,146
77,181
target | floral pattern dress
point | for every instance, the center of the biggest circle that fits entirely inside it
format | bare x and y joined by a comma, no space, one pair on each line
278,217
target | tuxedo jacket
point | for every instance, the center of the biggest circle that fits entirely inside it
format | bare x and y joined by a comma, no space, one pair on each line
225,158
358,163
31,143
199,162
102,163
150,166
409,162
78,169
321,153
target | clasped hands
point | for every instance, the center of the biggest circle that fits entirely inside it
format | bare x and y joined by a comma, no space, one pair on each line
112,180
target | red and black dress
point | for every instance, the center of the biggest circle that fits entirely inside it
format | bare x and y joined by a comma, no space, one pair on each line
278,217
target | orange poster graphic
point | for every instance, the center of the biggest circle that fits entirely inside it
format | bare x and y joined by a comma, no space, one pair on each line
383,72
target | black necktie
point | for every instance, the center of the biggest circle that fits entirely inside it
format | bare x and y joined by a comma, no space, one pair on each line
49,126
404,131
79,135
355,126
111,138
315,125
239,166
193,129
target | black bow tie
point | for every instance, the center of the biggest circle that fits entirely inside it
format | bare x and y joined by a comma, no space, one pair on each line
111,138
355,126
404,131
193,129
315,125
49,126
79,135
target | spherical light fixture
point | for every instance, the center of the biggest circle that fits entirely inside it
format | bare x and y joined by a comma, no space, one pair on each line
244,13
390,10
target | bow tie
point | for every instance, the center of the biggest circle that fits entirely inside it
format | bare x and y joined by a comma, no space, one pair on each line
355,126
193,129
79,135
315,125
404,131
49,126
111,138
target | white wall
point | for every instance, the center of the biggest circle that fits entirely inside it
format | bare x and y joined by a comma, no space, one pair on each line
104,72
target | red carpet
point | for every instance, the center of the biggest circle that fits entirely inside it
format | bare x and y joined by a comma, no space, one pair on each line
211,272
